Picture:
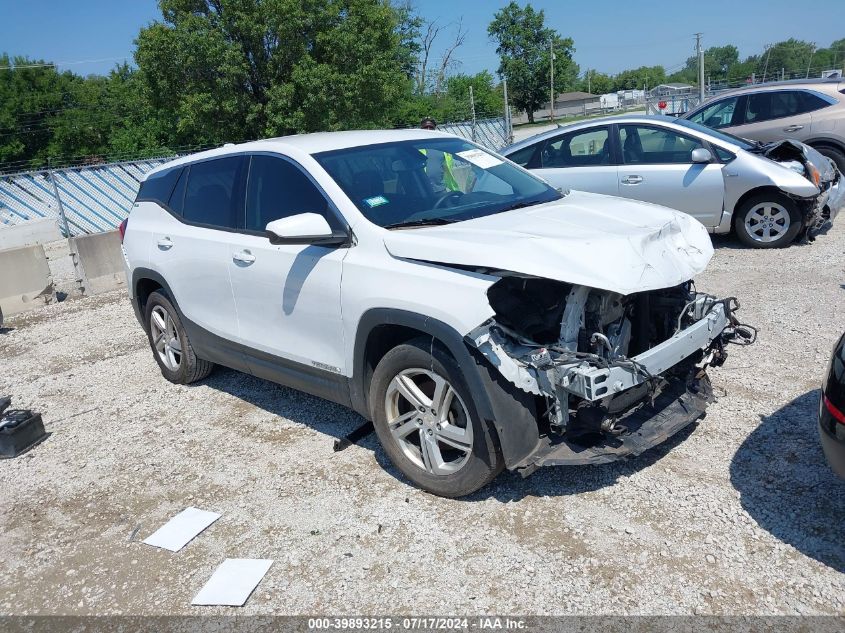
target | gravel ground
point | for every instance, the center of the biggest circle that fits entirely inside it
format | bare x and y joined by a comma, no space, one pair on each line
738,516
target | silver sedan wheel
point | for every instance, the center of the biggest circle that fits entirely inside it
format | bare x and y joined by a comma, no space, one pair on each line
767,222
165,338
429,421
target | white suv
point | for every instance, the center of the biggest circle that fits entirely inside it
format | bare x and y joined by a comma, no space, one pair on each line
480,318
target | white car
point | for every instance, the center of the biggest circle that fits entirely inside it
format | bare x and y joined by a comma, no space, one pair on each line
480,318
768,194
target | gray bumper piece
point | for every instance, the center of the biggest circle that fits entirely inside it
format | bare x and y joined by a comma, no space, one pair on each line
676,407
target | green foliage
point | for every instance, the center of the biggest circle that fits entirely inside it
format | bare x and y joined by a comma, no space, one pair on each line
638,78
230,70
596,83
524,44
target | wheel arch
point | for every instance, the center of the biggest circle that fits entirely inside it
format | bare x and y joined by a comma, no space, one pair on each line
824,141
144,283
751,193
509,411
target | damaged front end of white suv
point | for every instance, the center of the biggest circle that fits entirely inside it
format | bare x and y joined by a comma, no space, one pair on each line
592,315
616,374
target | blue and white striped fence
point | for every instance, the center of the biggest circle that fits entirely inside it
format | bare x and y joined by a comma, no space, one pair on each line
94,198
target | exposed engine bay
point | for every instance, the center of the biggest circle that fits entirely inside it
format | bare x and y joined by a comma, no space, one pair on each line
592,357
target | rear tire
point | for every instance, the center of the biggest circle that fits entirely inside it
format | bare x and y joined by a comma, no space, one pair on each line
426,420
767,220
170,344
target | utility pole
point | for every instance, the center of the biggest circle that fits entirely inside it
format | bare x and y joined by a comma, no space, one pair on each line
508,128
766,66
589,90
700,52
472,107
552,80
810,61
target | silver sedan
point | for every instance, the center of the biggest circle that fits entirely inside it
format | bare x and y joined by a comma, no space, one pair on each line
769,194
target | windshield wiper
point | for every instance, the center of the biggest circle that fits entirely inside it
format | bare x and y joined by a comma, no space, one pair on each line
420,222
519,205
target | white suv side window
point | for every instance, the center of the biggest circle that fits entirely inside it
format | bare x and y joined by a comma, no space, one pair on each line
278,189
211,194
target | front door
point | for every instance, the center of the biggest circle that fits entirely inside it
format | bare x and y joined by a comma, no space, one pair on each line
657,167
287,296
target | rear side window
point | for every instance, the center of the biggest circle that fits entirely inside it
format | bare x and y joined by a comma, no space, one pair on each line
523,157
585,148
278,189
212,193
158,186
766,106
177,198
811,102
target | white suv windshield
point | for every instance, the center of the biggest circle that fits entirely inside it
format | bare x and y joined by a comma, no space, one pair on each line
430,181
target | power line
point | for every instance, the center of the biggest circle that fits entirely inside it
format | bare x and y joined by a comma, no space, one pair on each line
65,63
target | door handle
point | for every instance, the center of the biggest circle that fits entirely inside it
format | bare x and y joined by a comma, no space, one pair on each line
165,244
793,128
632,180
244,257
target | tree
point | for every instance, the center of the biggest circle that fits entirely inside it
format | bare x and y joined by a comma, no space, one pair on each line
32,94
596,83
639,78
523,45
231,70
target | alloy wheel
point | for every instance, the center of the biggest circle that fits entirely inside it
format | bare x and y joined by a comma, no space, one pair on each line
429,421
165,338
767,222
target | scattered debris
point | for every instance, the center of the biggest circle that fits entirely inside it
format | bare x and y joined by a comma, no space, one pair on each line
20,429
232,582
181,529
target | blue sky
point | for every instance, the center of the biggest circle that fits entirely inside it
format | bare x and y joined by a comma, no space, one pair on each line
610,35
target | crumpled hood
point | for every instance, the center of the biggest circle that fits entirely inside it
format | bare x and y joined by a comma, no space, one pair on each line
790,149
603,242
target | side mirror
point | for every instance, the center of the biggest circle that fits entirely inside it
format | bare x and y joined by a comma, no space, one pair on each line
305,228
701,155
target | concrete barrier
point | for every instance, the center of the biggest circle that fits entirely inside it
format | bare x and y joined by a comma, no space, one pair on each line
25,280
98,260
29,234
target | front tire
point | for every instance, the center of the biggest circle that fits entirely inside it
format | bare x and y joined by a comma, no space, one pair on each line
768,220
170,344
834,154
427,423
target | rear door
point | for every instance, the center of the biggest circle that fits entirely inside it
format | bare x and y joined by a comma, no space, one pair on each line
657,167
191,244
287,295
581,160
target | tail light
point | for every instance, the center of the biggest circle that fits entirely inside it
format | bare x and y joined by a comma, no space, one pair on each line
122,229
833,410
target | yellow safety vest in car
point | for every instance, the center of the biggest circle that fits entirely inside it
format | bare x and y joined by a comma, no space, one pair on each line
448,175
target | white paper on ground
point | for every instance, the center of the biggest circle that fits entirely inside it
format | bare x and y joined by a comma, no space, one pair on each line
179,530
231,584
